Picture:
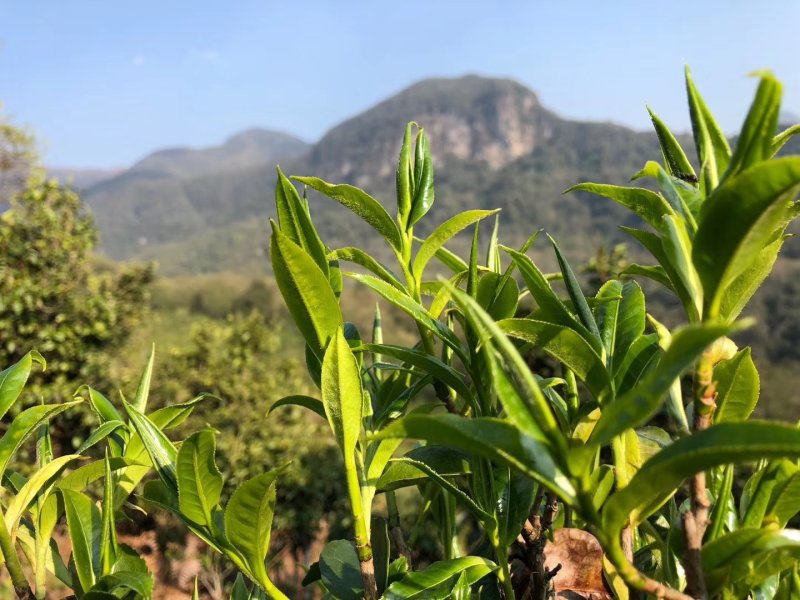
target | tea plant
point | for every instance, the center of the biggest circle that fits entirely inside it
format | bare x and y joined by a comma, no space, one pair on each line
608,452
715,238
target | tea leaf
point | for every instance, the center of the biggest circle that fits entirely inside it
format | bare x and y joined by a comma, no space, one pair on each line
493,438
438,580
674,157
737,387
721,444
442,234
199,480
639,404
648,205
342,394
306,291
13,379
739,219
248,521
755,139
362,204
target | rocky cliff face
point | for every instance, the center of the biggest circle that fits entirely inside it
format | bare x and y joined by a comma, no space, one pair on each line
492,121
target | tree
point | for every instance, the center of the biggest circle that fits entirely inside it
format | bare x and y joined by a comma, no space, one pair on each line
56,296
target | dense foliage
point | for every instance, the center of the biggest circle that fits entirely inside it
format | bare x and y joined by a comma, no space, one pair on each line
610,467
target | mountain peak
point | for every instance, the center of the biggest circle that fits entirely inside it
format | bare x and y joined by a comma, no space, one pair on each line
249,148
468,118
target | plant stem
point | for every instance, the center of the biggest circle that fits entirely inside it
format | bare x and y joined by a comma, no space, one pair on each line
695,520
363,546
634,579
20,583
505,574
395,530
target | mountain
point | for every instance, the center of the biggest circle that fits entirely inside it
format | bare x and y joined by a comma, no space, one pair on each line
493,142
251,148
175,194
82,179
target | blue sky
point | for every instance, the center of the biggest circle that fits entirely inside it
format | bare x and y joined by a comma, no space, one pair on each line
104,83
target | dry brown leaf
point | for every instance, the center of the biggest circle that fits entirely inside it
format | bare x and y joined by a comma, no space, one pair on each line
581,558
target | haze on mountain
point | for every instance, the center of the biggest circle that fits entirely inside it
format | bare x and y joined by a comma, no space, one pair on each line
494,145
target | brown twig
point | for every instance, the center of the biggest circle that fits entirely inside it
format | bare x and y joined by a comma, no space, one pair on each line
695,520
395,531
529,549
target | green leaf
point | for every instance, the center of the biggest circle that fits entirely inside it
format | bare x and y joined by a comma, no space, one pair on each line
630,322
567,346
437,581
736,296
13,379
359,257
199,481
239,590
513,504
85,526
741,217
638,405
423,180
306,291
427,363
342,394
780,140
449,259
443,460
656,273
655,246
674,156
404,178
442,234
362,204
755,140
649,206
162,452
498,295
38,484
248,521
109,550
678,251
379,540
26,423
684,198
785,503
711,143
412,308
493,438
737,387
527,408
143,391
750,555
607,313
551,308
79,479
486,519
169,417
575,293
295,221
99,434
721,444
299,400
341,570
102,406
